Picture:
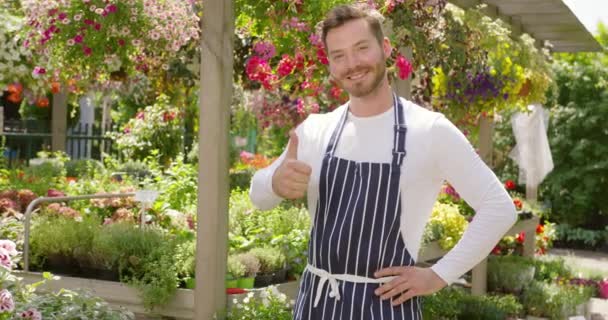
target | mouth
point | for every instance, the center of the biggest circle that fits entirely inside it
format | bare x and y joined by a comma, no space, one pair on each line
357,76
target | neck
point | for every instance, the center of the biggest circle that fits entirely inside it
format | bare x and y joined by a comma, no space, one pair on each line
375,103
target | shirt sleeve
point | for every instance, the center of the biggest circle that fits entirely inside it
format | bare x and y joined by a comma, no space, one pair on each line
495,213
261,193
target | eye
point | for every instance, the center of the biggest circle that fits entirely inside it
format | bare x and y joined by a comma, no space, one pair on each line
363,48
338,57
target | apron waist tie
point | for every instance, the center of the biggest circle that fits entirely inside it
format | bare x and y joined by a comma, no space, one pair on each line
334,291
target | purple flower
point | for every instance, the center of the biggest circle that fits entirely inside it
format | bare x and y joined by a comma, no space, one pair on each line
78,38
111,8
38,71
6,301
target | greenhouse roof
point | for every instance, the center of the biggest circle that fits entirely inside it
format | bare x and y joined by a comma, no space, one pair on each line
545,20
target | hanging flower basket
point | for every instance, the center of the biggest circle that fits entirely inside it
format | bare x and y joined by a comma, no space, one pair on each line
90,38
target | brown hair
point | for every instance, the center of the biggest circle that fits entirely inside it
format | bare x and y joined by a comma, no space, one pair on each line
342,14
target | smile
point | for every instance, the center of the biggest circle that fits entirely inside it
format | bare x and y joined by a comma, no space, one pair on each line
357,76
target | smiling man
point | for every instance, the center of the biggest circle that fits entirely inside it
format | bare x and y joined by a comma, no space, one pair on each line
371,171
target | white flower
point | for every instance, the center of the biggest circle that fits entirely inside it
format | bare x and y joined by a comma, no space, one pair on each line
9,246
99,11
77,17
92,8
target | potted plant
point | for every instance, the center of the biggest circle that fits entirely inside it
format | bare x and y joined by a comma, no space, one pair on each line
235,270
252,267
553,301
509,274
271,261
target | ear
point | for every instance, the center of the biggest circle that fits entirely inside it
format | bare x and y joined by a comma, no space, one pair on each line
387,47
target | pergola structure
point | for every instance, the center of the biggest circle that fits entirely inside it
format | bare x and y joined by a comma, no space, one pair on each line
545,20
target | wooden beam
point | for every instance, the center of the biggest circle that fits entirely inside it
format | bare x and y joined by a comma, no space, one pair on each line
59,121
214,107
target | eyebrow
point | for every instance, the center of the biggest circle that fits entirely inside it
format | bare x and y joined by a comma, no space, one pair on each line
364,41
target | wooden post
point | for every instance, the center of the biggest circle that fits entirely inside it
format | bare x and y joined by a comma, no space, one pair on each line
59,120
480,271
404,87
214,107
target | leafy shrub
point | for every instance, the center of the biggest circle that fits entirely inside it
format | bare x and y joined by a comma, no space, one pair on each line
509,274
552,300
271,260
548,270
455,303
445,226
83,168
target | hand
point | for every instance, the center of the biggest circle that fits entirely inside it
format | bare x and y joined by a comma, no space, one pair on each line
290,180
409,282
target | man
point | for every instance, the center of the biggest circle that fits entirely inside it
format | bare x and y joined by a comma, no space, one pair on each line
372,170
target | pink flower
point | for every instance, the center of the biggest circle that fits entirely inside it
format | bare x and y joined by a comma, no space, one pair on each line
246,156
6,301
87,51
97,26
54,193
31,314
9,246
111,8
89,22
38,71
603,288
62,16
140,115
322,56
404,66
121,42
78,38
286,65
264,50
5,260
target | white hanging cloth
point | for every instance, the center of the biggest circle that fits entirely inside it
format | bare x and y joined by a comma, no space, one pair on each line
532,152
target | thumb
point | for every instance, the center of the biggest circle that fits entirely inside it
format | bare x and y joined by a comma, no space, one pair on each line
292,149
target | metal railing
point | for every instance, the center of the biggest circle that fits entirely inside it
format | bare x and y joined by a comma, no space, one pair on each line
37,201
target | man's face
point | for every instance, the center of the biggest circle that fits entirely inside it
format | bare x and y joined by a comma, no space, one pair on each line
357,62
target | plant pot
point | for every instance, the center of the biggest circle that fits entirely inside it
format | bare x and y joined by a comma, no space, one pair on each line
59,263
280,276
246,283
99,274
231,283
190,283
263,280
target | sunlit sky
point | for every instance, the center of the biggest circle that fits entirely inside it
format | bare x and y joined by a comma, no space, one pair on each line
589,12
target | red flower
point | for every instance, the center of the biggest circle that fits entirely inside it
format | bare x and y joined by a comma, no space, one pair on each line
404,66
510,185
322,56
335,92
168,116
518,204
42,102
55,87
286,65
521,237
87,51
540,229
14,97
496,250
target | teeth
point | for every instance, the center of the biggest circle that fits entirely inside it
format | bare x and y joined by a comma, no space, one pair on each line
357,76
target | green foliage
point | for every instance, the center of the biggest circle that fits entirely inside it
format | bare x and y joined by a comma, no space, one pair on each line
83,168
578,140
67,304
157,130
271,259
552,300
446,225
548,270
285,227
581,237
455,304
509,274
235,268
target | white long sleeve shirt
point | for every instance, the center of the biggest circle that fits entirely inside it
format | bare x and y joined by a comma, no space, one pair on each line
436,151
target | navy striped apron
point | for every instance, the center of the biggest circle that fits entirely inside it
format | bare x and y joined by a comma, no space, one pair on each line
356,232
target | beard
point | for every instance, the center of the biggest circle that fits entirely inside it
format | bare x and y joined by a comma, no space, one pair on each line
368,84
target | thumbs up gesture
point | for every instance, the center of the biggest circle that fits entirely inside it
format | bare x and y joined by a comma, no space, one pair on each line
290,180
